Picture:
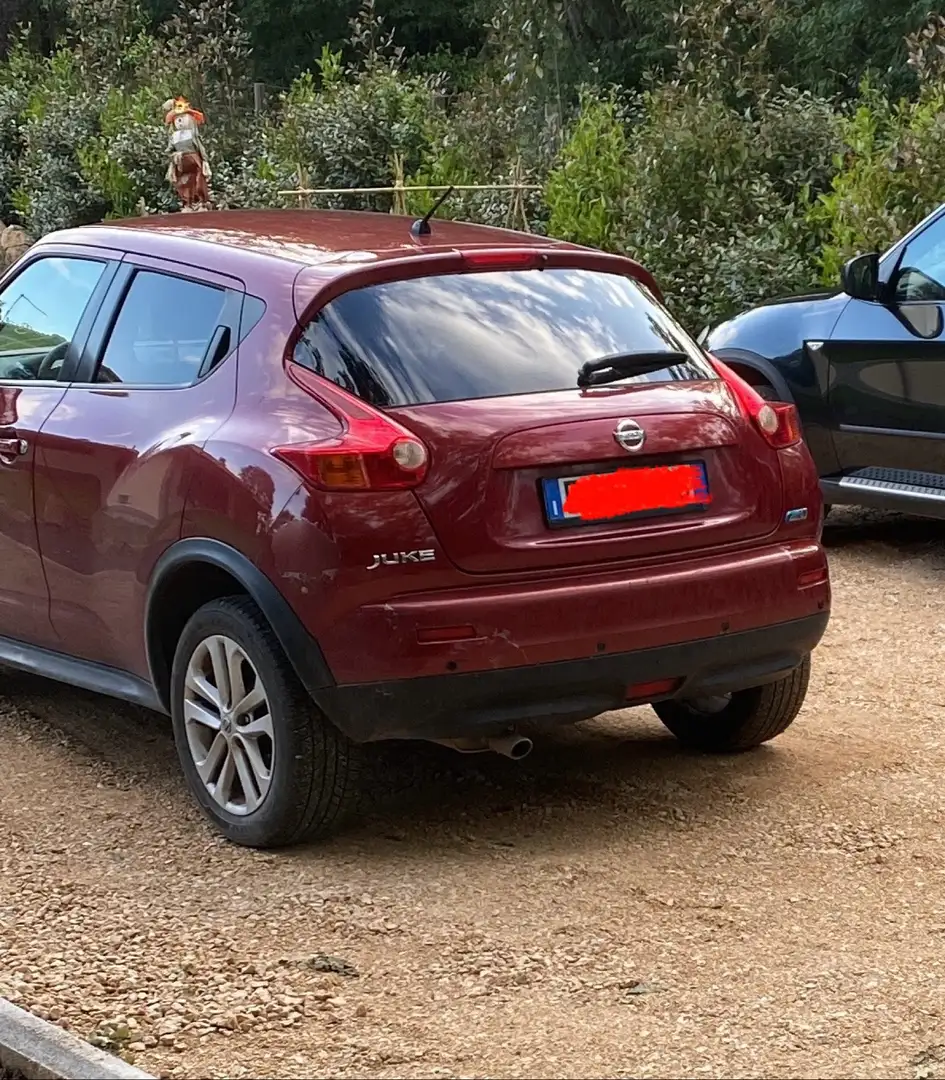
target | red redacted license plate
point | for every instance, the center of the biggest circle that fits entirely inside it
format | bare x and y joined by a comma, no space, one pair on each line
623,493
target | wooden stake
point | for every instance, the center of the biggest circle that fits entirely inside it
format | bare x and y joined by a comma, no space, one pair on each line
399,202
517,205
390,190
303,191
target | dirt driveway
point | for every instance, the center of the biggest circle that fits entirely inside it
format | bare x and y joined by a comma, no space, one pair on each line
612,907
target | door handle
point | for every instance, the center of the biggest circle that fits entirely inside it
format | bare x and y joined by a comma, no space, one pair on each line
11,449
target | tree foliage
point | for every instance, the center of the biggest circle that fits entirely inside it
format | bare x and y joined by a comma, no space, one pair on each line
739,148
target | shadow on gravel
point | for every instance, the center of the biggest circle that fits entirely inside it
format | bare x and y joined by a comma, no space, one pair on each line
620,767
575,780
852,528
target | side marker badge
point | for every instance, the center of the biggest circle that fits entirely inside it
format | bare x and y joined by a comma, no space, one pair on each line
793,516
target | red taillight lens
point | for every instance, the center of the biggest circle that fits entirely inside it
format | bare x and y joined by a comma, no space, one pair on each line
373,453
778,421
353,464
788,431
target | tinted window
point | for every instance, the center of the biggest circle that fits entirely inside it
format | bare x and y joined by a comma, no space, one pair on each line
162,331
466,336
40,311
921,274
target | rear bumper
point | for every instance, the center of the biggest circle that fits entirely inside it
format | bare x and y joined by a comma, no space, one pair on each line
577,614
487,702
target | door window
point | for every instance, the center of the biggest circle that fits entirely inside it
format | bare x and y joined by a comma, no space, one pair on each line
40,311
921,273
162,332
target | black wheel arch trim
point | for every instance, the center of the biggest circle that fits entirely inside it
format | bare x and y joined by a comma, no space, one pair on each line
762,366
302,650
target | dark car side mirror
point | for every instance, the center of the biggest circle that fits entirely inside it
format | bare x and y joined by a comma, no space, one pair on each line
860,277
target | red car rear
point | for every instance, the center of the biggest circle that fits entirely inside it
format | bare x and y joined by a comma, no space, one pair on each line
433,487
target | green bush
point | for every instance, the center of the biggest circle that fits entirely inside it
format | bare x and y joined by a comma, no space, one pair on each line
15,81
344,127
490,135
345,134
60,117
121,162
587,190
728,183
890,178
710,197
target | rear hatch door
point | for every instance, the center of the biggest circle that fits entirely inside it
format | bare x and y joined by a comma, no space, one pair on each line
528,470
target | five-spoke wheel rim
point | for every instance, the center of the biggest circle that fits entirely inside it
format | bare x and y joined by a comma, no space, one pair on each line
229,725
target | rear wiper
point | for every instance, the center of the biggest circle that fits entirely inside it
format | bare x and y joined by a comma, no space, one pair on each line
611,368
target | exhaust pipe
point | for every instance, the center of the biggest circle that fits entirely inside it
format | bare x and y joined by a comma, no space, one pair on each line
515,747
462,746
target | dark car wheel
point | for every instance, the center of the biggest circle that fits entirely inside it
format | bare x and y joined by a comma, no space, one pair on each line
264,765
739,721
766,391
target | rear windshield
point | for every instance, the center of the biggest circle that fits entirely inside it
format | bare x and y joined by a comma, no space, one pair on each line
461,336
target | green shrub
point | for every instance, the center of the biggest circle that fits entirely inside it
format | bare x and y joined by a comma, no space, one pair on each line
889,179
60,117
16,79
491,135
343,127
587,189
122,162
715,197
345,134
728,184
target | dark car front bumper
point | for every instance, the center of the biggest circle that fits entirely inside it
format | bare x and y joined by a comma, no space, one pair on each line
488,702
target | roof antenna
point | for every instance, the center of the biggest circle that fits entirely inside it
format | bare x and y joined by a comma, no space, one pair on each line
421,227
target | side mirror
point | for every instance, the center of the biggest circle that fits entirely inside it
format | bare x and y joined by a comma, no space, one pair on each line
860,277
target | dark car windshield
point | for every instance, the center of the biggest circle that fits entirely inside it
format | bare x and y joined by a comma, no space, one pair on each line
461,336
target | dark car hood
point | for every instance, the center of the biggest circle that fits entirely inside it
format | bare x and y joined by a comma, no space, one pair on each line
778,327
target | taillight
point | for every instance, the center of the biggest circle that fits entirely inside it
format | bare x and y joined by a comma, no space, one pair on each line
778,422
373,453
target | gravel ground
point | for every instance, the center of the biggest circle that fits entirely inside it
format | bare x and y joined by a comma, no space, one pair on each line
610,907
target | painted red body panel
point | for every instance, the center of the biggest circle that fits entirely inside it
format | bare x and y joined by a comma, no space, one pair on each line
488,457
24,597
120,475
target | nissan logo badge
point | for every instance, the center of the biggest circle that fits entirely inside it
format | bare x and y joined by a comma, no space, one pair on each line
629,435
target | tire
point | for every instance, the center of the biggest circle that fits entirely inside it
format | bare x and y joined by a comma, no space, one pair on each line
744,720
302,773
766,391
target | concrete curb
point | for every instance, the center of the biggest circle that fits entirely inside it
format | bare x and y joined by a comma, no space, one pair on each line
41,1051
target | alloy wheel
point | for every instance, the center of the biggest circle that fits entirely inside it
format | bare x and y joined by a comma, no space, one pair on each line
229,725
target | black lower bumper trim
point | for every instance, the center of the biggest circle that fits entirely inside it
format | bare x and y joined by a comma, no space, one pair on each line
486,702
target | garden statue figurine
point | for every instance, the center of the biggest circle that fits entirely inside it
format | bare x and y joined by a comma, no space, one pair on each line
189,169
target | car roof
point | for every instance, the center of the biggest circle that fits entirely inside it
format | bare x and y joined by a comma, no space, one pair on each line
341,239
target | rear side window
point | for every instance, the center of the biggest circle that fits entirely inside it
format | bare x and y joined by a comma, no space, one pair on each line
463,336
162,331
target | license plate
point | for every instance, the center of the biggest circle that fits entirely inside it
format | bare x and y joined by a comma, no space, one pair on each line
624,493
